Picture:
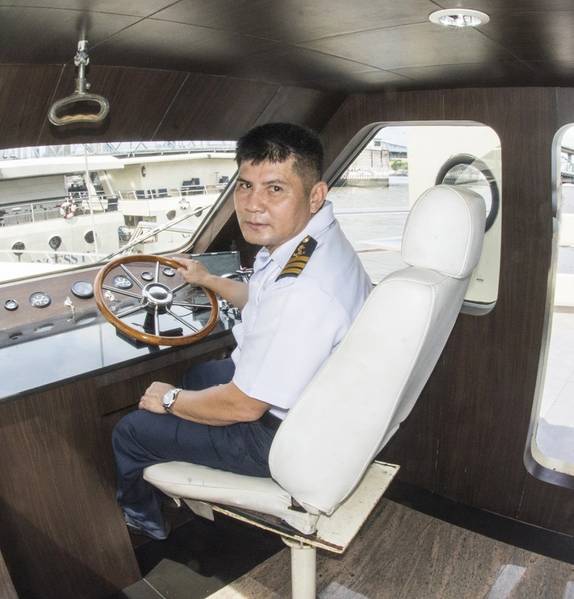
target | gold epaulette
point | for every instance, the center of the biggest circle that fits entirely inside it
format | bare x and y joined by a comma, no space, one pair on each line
299,258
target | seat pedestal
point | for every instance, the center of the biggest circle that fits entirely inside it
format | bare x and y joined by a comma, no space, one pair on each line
303,569
334,533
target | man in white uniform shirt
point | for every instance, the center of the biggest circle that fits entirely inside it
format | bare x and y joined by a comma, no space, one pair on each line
307,287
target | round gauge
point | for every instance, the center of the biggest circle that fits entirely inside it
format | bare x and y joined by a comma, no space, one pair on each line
147,276
168,271
83,289
11,304
122,282
40,299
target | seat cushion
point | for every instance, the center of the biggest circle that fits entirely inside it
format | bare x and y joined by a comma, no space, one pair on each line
191,481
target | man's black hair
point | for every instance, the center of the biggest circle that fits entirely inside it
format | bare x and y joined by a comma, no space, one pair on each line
277,142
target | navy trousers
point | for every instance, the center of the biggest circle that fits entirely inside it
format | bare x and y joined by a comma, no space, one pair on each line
143,438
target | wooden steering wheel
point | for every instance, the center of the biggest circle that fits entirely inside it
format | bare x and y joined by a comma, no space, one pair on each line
156,298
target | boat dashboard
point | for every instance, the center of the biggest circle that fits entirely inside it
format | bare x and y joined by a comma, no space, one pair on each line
51,330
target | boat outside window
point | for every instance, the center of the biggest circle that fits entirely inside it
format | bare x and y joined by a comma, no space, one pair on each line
144,197
552,431
374,194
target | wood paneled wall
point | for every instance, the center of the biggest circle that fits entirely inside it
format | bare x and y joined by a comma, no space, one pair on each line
62,532
466,437
148,104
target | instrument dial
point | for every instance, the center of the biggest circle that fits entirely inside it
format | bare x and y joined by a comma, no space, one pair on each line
11,304
122,282
168,271
40,299
147,276
83,289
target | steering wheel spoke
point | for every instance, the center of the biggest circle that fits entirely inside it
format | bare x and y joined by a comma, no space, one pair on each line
179,287
158,299
190,305
131,276
183,321
121,291
129,311
156,329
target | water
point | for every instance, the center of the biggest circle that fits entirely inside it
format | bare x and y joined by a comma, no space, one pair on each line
373,219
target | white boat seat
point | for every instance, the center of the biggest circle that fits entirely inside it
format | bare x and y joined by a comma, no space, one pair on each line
185,480
367,387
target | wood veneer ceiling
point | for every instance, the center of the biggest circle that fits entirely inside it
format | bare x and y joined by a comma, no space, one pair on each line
329,45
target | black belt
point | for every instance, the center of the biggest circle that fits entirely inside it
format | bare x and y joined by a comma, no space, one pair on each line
270,421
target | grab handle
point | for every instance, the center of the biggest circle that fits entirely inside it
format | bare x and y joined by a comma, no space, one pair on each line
56,117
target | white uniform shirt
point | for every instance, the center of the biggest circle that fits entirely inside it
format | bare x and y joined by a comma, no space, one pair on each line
289,327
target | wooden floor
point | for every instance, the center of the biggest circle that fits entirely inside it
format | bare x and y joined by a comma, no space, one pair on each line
402,553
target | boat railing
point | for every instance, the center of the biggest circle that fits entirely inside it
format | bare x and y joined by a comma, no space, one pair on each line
77,203
163,192
73,204
366,174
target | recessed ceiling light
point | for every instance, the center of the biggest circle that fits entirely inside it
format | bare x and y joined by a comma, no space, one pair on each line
457,18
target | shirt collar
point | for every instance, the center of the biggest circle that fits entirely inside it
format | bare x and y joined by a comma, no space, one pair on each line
320,221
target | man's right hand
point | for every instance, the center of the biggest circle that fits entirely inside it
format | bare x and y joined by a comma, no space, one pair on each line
194,272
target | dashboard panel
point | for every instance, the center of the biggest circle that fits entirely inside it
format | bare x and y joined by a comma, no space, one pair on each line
56,331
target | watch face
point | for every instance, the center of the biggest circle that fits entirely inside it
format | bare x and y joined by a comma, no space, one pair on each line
169,398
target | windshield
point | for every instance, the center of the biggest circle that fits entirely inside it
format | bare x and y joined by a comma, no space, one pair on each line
72,205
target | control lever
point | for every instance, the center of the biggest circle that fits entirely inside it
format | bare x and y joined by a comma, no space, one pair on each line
229,310
70,304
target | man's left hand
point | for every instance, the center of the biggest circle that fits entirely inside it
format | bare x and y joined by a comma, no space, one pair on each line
151,400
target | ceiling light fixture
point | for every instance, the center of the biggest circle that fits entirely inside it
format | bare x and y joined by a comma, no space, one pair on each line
457,18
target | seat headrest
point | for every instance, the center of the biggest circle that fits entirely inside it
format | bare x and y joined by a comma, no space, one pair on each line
444,231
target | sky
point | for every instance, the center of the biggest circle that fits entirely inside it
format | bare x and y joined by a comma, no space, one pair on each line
568,139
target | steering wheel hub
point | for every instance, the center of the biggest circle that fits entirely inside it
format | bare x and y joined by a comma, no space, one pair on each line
158,295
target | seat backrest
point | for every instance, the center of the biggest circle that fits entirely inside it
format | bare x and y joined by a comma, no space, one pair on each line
370,383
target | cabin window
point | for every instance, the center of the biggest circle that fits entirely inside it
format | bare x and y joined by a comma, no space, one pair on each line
552,430
373,194
70,205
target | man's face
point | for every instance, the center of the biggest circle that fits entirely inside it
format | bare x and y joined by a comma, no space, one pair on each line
272,204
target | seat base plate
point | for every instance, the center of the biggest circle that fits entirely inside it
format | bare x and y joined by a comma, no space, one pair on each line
334,532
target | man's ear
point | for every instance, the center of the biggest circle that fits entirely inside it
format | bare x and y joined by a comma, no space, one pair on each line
317,196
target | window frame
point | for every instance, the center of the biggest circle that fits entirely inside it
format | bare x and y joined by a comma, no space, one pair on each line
363,137
536,462
186,247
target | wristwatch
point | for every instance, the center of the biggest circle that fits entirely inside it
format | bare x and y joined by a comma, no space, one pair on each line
169,399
